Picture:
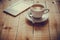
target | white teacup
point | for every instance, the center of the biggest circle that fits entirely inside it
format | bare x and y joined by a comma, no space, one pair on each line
37,10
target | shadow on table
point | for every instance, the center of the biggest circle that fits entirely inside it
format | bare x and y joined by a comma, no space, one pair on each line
42,24
38,26
58,36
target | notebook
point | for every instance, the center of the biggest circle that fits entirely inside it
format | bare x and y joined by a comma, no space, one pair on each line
18,8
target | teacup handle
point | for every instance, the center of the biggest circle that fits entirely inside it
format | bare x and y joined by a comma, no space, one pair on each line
46,10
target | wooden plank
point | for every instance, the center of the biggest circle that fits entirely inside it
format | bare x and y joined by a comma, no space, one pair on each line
10,24
41,30
1,20
10,28
52,20
57,17
25,29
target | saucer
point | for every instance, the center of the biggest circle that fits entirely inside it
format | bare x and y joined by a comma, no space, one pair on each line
33,20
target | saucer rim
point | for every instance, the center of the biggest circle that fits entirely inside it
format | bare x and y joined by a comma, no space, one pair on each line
30,19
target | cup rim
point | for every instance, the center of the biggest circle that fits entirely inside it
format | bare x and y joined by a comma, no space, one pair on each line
37,5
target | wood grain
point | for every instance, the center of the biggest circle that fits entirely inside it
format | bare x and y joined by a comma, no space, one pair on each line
19,28
10,24
53,20
41,30
57,17
25,29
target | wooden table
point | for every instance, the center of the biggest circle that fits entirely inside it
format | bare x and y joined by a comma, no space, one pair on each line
19,28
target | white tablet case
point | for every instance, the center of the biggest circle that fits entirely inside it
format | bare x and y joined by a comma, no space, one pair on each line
18,7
